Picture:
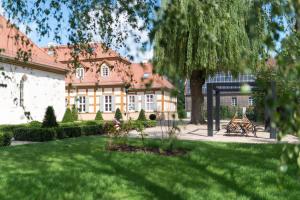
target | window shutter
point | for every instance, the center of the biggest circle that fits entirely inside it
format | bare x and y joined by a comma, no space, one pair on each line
101,106
154,102
76,102
87,104
113,103
143,102
136,99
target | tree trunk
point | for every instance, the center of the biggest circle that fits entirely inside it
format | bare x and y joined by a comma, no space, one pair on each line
197,80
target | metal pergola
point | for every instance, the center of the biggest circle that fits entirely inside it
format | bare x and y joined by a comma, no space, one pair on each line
214,89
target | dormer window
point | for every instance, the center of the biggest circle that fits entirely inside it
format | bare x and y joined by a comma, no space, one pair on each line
146,75
104,70
50,52
80,73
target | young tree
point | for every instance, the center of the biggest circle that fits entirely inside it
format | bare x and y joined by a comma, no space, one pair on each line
142,116
99,116
74,113
118,114
195,39
50,118
68,117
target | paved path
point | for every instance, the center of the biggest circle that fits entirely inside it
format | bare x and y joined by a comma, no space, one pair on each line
199,133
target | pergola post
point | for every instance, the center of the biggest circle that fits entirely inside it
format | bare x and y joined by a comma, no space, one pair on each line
217,110
209,109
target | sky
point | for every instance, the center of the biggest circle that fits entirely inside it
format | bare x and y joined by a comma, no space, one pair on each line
137,55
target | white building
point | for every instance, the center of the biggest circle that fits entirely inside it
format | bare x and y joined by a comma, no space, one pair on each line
30,80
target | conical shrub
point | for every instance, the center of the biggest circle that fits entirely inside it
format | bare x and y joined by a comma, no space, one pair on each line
50,118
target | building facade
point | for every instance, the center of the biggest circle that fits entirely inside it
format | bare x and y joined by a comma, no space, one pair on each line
106,81
28,83
231,99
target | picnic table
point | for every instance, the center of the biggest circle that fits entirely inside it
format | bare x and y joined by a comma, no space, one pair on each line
241,125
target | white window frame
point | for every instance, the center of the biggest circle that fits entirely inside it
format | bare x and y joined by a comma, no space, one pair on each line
234,101
104,70
107,103
80,73
149,104
250,101
81,104
131,102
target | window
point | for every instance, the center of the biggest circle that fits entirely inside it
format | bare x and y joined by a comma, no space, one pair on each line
81,104
104,71
146,75
250,101
22,93
80,73
149,102
131,103
233,101
107,103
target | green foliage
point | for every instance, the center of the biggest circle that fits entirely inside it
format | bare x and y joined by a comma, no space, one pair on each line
224,43
49,118
142,116
75,113
35,124
68,116
152,116
5,138
46,134
99,116
118,115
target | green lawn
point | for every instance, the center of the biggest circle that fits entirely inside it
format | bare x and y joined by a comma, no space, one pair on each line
81,169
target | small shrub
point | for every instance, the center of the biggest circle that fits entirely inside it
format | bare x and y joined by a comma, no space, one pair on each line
118,115
74,113
99,116
152,117
5,138
50,118
142,116
68,116
36,124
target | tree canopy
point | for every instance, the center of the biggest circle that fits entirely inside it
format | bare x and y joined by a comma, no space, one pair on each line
212,35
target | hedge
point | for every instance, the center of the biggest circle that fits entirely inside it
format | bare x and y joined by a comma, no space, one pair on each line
46,134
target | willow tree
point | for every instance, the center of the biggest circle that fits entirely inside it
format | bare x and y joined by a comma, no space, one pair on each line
194,39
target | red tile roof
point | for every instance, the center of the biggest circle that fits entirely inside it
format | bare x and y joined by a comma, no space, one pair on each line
13,41
122,71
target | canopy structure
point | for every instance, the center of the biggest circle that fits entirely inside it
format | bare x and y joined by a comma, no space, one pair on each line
214,89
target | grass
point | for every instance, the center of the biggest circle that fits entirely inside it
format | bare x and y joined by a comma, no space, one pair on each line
81,169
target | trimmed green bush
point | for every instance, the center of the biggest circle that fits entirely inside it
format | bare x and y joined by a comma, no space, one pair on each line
152,117
68,117
74,113
142,116
5,138
50,118
46,134
99,116
118,115
34,134
35,124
